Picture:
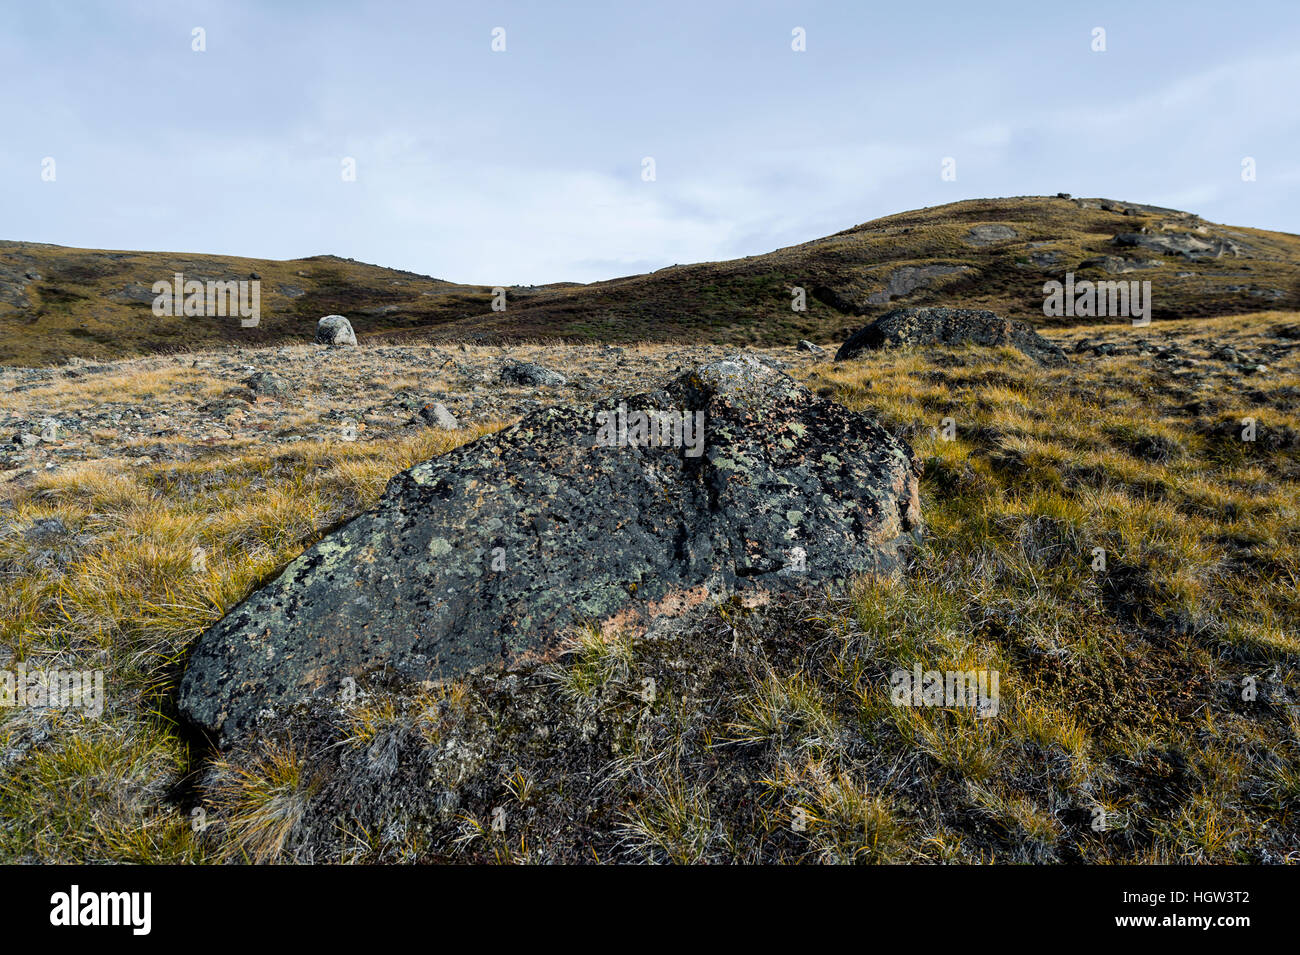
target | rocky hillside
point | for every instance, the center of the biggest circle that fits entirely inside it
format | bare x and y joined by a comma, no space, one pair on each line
57,303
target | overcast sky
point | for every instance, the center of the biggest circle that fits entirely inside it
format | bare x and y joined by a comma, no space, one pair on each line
526,166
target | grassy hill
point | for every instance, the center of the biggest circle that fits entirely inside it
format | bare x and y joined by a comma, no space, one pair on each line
58,302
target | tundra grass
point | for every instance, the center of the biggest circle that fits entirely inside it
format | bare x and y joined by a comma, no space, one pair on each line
1100,536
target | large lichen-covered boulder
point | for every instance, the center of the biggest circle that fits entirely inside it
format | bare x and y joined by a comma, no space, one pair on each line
335,330
730,478
914,327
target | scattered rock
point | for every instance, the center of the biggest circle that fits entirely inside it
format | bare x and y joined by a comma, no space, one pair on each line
1045,260
335,330
491,553
805,345
14,293
134,292
267,384
1185,244
909,278
910,327
1131,208
982,235
527,373
1118,264
436,415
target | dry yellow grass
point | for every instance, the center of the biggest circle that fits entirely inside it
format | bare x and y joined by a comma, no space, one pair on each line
158,554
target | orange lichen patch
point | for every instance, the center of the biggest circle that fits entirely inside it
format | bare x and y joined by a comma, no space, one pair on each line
635,618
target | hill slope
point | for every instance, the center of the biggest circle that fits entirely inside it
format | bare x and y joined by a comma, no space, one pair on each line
58,302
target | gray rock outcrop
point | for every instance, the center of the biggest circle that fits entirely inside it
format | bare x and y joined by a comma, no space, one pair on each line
913,327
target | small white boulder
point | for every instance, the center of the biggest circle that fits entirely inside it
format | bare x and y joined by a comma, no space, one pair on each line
335,330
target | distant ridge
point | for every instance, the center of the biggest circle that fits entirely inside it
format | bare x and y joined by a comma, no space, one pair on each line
57,303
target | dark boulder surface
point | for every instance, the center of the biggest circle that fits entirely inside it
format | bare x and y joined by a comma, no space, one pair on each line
527,373
911,327
490,553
